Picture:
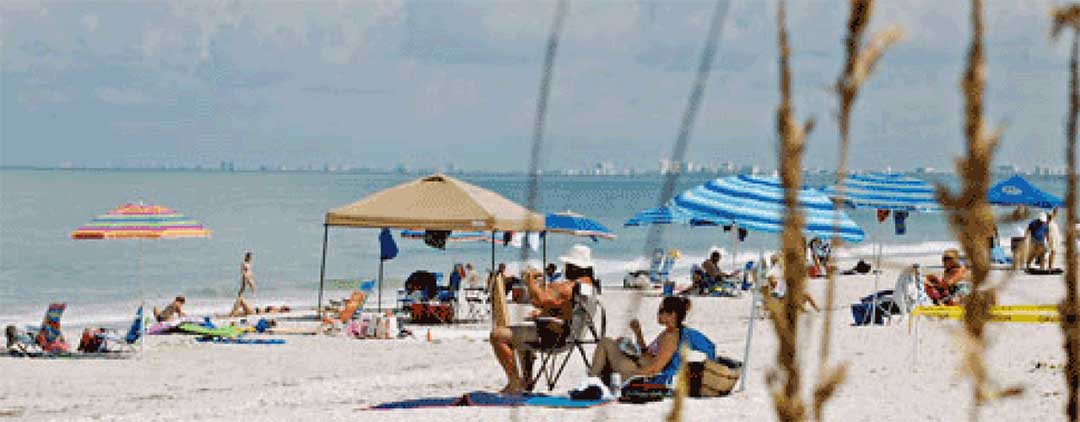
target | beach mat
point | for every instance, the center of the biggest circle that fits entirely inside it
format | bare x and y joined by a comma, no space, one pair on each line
72,355
222,340
1039,271
484,398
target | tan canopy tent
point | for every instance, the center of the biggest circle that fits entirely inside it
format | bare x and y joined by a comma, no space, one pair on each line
435,202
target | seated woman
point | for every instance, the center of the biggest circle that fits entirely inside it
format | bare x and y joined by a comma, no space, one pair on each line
944,289
820,251
654,357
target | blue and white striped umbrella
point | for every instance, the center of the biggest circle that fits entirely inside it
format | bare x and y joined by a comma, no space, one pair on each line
887,192
670,215
757,203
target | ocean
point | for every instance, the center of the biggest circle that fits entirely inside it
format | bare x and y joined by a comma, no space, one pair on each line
278,216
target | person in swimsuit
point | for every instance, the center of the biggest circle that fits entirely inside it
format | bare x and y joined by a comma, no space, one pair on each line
609,357
247,279
172,311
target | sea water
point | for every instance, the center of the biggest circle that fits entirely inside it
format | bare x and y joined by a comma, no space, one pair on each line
279,216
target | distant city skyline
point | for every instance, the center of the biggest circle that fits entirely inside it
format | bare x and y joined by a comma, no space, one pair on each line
428,84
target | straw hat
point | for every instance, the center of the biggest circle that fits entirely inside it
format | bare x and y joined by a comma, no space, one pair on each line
951,253
578,255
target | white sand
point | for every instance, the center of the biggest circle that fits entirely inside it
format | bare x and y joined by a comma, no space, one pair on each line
333,378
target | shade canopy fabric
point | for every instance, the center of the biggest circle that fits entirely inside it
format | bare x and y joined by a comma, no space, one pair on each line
137,221
436,202
471,236
757,203
886,191
668,215
1018,191
576,225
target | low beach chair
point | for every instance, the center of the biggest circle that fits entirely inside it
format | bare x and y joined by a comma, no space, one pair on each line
356,300
557,346
49,338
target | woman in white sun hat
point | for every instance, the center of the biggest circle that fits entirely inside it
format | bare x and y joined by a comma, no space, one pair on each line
552,300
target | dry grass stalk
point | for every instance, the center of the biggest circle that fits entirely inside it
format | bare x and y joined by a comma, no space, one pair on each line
859,64
785,381
972,219
1070,306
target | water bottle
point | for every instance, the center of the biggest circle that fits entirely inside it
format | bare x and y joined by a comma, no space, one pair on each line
616,385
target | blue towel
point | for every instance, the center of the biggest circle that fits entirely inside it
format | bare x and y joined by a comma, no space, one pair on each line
484,398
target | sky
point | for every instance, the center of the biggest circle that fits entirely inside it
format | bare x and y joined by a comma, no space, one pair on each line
379,83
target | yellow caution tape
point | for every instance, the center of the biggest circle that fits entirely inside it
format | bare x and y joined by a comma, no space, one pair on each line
1009,308
1033,314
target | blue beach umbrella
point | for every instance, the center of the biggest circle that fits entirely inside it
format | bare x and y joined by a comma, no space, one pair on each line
576,225
757,203
669,215
1018,191
884,191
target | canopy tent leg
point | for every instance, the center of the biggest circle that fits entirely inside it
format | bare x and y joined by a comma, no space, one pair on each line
381,261
543,245
322,271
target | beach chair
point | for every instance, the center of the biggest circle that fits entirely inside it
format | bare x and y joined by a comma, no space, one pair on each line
49,338
20,343
660,271
356,300
693,340
555,348
449,293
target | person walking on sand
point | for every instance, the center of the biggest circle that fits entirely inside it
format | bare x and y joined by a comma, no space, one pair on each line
247,279
1053,238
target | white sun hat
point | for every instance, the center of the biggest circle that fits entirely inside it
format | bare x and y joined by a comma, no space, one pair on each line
578,255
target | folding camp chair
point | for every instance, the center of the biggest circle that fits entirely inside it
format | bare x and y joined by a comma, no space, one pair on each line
572,335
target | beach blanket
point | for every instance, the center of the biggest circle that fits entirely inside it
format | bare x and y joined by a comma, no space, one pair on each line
220,340
484,398
226,331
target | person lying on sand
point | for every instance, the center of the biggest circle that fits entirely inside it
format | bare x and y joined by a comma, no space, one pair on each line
551,300
174,310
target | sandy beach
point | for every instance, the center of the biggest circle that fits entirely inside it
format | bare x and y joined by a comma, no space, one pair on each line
321,378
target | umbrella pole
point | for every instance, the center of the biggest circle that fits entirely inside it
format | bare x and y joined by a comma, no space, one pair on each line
322,271
493,254
142,294
749,332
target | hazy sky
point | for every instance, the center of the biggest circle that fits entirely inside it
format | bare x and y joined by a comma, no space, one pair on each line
376,83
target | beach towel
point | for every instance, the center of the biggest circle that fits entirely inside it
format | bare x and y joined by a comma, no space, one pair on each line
900,221
387,247
220,340
484,398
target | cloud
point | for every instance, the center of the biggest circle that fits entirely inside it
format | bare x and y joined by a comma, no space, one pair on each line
121,96
333,90
91,22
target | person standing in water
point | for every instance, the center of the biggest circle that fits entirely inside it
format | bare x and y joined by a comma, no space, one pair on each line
247,279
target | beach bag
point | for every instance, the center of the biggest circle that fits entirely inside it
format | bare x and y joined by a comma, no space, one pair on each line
718,377
640,390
